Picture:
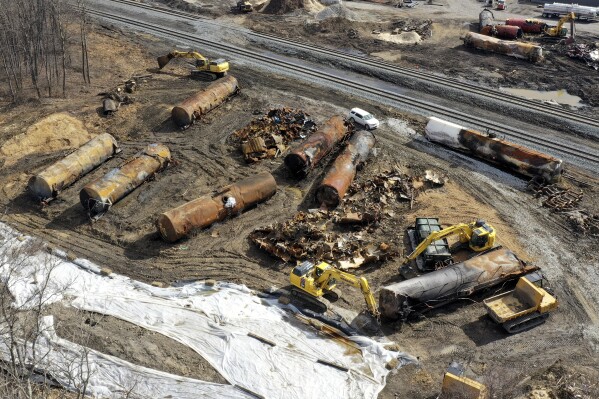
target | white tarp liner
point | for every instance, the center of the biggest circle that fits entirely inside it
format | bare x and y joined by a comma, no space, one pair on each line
214,322
107,376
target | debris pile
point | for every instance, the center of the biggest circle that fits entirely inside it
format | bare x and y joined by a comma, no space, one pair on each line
556,197
113,99
286,6
336,11
324,235
269,135
589,53
423,28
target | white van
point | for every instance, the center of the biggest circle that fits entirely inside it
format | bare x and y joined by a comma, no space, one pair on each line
359,116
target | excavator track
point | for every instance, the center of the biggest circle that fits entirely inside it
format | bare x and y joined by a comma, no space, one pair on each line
525,323
304,300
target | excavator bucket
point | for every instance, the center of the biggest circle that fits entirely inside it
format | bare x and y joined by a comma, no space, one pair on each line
163,60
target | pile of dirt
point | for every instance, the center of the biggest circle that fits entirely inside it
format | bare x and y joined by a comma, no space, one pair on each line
402,38
53,133
337,11
287,6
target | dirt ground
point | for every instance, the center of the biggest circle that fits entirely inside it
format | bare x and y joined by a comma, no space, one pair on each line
556,356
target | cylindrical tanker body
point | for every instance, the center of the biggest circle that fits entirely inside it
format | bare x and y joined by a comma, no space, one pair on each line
527,25
305,156
399,300
340,176
204,101
47,184
517,158
485,18
202,212
507,32
98,196
522,50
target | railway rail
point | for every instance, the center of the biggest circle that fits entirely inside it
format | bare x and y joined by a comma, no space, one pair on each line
550,109
434,109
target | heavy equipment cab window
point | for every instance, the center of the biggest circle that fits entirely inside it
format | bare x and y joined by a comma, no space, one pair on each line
478,240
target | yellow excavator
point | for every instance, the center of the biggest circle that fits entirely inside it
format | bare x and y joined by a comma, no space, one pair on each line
559,30
432,244
212,69
313,282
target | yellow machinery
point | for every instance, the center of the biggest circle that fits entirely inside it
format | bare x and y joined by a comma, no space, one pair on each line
479,235
523,308
456,386
213,69
320,281
559,30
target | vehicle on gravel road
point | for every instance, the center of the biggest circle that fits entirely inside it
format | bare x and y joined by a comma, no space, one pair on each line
361,117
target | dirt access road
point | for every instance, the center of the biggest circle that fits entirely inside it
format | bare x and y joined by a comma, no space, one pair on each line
125,239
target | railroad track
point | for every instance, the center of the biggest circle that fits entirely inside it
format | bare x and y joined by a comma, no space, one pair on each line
437,110
548,109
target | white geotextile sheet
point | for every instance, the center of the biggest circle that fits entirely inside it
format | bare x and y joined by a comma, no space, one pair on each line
215,322
106,376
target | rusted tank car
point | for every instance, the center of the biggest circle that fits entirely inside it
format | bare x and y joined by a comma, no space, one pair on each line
527,25
47,184
204,101
306,155
522,50
399,300
228,201
485,18
502,31
514,157
99,196
339,177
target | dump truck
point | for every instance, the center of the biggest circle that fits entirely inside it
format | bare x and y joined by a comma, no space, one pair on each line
523,308
455,385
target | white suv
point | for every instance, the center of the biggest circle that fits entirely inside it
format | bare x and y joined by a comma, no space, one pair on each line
357,115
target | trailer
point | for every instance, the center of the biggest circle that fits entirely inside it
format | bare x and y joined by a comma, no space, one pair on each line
558,10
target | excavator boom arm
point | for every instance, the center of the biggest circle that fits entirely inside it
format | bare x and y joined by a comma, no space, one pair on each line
165,59
461,228
358,282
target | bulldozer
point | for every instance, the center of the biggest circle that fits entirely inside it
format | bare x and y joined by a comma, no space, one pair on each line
210,69
559,30
430,246
311,283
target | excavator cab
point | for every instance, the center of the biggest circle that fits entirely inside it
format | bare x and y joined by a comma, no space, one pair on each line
483,236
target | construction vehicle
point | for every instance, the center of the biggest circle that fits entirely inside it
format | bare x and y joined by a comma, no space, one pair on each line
557,10
244,6
430,246
523,308
559,30
456,386
212,69
501,5
311,283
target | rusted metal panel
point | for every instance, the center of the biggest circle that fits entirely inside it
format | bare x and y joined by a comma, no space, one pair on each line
204,101
306,155
99,196
522,50
340,176
51,181
398,301
228,201
517,158
527,25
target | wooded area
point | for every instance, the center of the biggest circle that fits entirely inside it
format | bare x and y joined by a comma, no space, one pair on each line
35,46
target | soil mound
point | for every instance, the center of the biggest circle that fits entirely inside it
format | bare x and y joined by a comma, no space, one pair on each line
53,133
336,11
286,6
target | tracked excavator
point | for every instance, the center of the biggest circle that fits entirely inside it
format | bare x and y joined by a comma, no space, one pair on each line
311,283
429,241
211,69
559,30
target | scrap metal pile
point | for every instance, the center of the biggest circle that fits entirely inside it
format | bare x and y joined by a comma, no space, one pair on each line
589,53
269,135
343,237
565,201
